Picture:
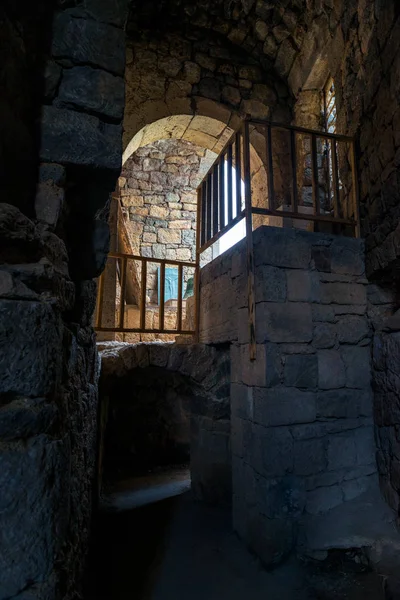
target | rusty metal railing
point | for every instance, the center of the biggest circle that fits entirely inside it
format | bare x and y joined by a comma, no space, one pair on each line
304,176
119,316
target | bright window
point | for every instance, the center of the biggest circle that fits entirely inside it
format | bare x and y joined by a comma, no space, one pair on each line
238,232
330,106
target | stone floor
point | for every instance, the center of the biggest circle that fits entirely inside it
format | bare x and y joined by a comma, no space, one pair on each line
177,549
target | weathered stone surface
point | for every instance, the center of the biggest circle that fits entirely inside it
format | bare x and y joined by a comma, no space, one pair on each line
270,284
302,286
357,363
25,417
310,457
114,12
344,404
301,371
284,406
28,520
29,341
286,322
324,335
281,248
331,370
48,203
352,329
94,91
343,293
84,41
69,137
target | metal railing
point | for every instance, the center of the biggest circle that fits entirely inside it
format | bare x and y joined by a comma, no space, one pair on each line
122,262
267,173
309,176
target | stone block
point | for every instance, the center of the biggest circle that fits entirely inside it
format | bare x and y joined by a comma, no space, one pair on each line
303,286
365,445
241,434
87,42
351,329
281,248
180,224
271,540
322,314
324,499
74,138
301,371
283,406
347,256
264,371
331,370
29,342
168,236
49,201
324,335
343,293
160,212
341,451
344,404
283,323
241,402
271,451
114,12
379,295
357,361
321,256
26,417
309,457
270,284
34,511
94,91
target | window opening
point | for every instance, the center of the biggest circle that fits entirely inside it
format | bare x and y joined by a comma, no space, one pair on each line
238,232
329,108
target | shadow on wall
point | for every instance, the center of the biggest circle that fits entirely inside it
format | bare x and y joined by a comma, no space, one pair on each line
148,422
164,401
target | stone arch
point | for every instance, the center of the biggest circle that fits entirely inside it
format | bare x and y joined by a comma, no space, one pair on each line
205,371
180,74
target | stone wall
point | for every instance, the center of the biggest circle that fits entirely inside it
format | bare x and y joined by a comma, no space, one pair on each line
48,413
158,187
302,413
202,375
196,72
48,388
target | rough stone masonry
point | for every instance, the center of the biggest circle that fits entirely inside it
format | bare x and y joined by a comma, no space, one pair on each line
302,413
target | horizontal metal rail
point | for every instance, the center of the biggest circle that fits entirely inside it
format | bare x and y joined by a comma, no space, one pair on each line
107,303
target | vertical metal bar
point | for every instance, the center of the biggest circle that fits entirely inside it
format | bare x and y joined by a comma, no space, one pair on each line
356,191
335,182
270,170
197,273
222,191
215,201
293,154
101,300
314,165
238,167
203,193
162,295
197,302
229,177
143,295
249,239
123,293
208,205
180,285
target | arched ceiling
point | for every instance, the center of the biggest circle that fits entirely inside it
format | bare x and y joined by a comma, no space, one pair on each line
205,132
279,35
